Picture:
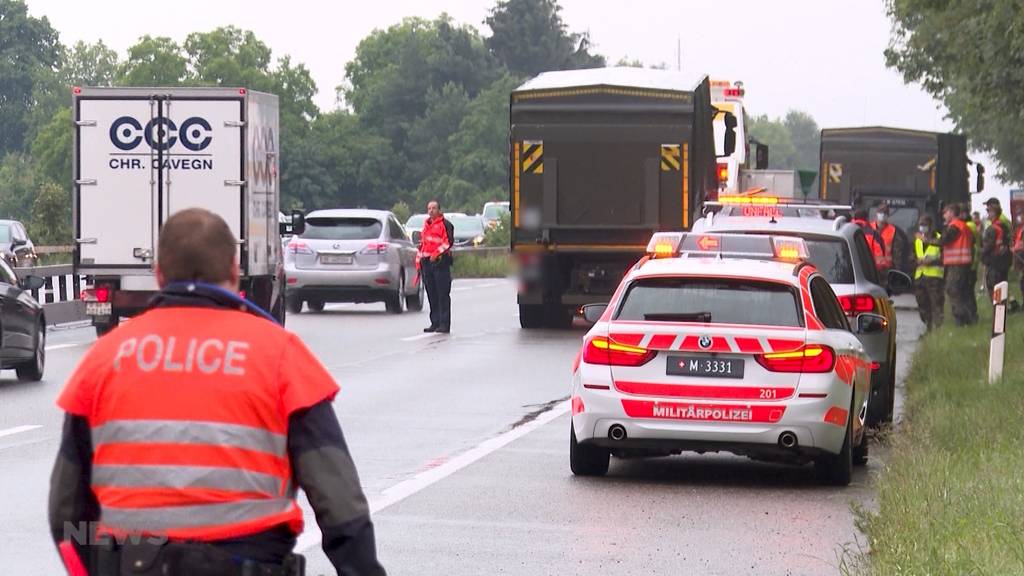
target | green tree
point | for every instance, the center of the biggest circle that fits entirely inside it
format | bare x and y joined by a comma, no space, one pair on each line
529,37
479,150
51,150
428,150
18,186
970,57
29,52
806,138
339,163
402,211
395,71
90,65
50,223
155,62
781,151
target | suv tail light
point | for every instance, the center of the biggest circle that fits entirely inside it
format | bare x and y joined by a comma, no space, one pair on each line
375,248
857,303
97,294
810,359
602,351
299,247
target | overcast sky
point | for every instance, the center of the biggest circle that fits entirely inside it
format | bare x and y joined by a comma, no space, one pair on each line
821,56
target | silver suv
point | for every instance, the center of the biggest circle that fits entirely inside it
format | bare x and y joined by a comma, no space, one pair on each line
839,250
352,256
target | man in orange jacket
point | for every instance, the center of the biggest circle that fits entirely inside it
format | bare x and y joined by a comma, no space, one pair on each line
435,257
189,430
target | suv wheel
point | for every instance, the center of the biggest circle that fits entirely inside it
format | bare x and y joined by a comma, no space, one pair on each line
837,469
395,303
316,305
415,302
587,460
294,305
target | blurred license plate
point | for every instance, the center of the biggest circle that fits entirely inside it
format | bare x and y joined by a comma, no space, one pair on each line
335,259
704,366
97,308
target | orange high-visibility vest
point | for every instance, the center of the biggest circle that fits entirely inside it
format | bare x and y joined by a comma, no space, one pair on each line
188,410
959,251
434,240
876,250
888,234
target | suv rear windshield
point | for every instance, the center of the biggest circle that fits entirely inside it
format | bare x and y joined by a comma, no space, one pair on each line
832,258
342,228
5,233
711,300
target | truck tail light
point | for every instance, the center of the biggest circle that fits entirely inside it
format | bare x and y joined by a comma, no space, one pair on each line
299,247
602,351
810,359
375,248
857,303
723,173
97,294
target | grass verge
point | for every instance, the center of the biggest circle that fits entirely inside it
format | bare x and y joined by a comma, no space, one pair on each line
951,496
483,264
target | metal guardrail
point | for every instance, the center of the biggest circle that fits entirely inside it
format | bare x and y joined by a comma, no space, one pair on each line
54,249
481,250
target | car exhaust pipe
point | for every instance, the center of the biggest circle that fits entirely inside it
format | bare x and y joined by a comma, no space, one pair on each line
787,440
617,432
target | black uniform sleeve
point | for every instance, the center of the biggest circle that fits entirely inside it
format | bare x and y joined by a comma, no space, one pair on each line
324,469
949,235
72,503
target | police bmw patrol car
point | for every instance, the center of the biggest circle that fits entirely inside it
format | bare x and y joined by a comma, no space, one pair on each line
709,345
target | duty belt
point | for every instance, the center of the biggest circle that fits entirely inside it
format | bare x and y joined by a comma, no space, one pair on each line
183,559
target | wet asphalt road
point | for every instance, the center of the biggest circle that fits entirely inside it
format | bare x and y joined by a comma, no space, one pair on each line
461,444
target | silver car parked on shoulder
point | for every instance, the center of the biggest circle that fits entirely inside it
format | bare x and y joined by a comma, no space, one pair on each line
352,256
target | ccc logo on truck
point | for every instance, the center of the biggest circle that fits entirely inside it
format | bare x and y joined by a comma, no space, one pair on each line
127,133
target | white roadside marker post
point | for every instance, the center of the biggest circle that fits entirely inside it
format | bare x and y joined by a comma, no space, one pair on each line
996,347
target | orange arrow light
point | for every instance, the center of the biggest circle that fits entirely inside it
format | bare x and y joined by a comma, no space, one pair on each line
707,243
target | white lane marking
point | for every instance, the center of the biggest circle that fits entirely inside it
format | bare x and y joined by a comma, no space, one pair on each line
18,430
65,346
420,337
311,536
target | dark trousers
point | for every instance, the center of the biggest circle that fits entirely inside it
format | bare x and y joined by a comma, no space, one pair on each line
959,291
994,274
930,300
437,280
972,302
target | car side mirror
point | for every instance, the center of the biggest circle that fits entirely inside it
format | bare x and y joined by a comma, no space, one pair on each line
416,236
298,222
871,323
18,242
898,282
30,283
592,312
729,144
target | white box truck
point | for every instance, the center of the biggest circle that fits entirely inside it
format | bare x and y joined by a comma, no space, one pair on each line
143,154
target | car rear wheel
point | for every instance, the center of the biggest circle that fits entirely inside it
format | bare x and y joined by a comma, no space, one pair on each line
32,371
395,303
316,305
294,305
837,469
531,316
587,460
879,399
415,302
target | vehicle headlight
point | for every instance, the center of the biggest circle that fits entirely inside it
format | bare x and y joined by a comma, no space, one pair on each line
478,239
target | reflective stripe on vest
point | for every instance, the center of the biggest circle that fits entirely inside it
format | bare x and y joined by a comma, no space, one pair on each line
189,432
182,477
934,252
959,251
169,519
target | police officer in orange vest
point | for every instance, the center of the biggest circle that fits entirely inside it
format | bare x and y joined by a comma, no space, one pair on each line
1018,245
957,244
435,258
895,244
874,239
189,430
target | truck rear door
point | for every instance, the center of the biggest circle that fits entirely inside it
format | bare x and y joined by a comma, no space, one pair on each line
203,164
116,182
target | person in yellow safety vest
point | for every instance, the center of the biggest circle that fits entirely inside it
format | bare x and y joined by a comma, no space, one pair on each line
928,281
